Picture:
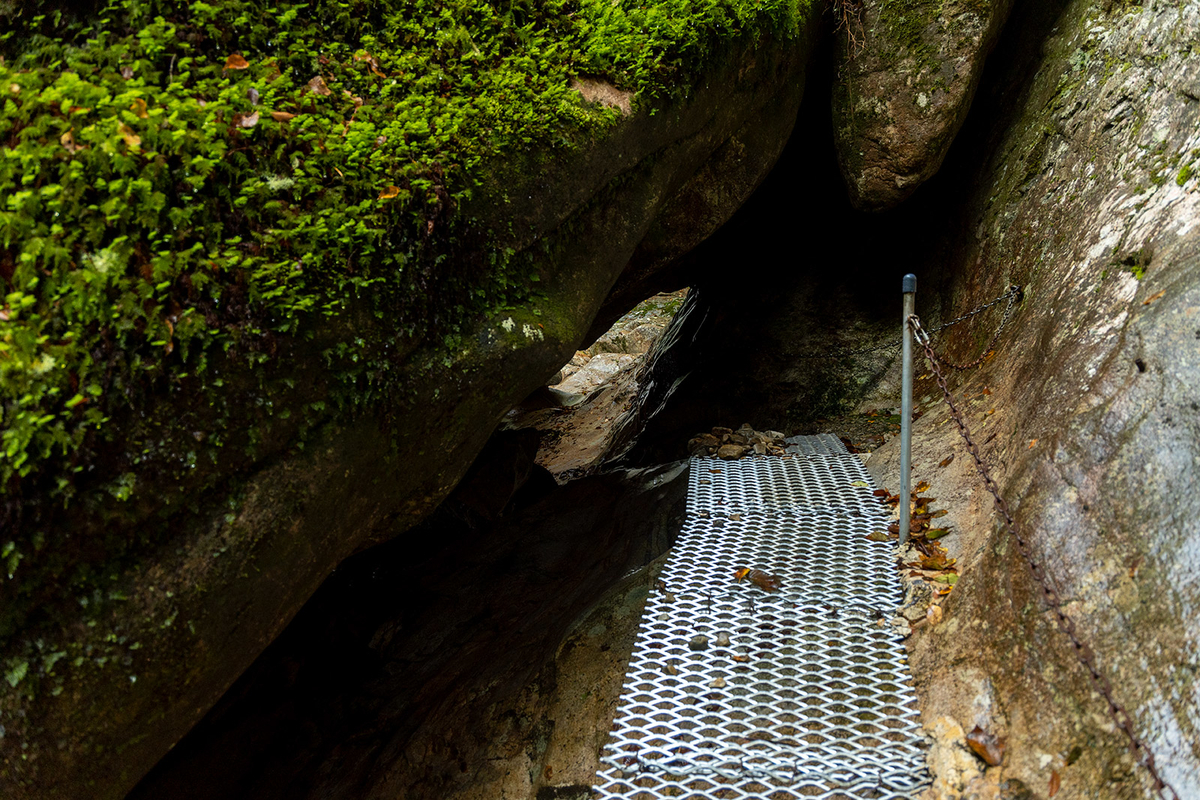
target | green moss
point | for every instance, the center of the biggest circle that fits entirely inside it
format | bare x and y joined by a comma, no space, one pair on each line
193,193
907,23
1183,175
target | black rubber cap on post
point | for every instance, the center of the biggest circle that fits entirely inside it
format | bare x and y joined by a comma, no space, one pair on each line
910,283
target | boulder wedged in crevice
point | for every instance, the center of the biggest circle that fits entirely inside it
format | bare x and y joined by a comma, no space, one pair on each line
907,74
479,660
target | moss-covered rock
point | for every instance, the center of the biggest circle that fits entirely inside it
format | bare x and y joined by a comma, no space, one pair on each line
314,254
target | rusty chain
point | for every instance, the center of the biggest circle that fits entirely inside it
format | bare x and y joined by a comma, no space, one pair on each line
1013,295
1083,652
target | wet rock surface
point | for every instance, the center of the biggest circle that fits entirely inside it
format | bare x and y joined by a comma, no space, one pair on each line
1087,414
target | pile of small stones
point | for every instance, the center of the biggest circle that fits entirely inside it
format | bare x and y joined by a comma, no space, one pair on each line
730,444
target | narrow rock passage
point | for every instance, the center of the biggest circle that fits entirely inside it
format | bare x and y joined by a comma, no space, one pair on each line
739,691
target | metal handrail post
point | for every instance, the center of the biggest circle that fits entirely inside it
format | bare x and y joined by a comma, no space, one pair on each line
906,407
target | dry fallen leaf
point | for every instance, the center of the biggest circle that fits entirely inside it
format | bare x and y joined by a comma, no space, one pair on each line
389,192
248,121
878,536
670,669
68,141
1154,297
236,61
139,108
742,659
946,461
923,486
1055,783
317,85
1032,442
986,745
282,116
936,533
131,138
768,583
717,683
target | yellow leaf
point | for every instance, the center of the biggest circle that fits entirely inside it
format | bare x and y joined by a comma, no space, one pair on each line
860,484
1153,297
139,108
923,486
131,138
389,192
236,61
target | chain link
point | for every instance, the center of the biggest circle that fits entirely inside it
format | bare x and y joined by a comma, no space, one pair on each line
1083,652
1014,296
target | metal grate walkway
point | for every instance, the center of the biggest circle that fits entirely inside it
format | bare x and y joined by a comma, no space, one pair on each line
734,692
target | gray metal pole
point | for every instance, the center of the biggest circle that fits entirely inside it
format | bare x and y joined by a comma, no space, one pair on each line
906,408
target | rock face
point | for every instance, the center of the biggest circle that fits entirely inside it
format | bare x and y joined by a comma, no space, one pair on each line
180,621
1088,414
908,72
477,662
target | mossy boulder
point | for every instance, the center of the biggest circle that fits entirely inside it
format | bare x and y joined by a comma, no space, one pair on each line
907,73
273,275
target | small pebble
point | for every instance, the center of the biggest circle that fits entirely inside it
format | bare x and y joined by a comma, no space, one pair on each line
698,643
717,683
723,639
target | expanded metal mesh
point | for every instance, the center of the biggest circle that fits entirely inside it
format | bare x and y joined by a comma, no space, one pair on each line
736,692
821,444
836,484
818,559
